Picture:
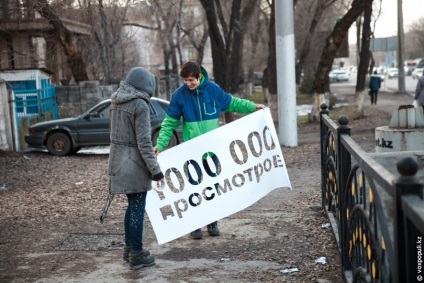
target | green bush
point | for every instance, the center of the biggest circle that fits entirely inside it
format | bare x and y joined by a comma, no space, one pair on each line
306,85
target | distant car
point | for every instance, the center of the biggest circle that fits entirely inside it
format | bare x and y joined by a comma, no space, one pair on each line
338,76
419,63
257,78
65,136
392,73
380,73
418,72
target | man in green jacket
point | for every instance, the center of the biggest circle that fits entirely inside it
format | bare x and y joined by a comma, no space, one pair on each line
199,102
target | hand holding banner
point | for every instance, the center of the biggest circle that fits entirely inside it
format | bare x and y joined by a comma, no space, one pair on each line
217,174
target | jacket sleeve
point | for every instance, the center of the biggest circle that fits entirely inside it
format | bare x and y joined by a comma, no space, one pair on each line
240,105
168,126
144,139
418,89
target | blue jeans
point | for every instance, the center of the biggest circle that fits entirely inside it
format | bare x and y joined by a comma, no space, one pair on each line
134,221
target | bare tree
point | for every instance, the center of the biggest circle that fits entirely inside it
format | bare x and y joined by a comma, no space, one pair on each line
417,30
67,40
255,49
108,36
167,15
226,34
270,73
333,42
364,61
318,10
178,23
191,22
107,50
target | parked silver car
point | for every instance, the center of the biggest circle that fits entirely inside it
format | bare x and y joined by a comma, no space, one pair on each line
392,73
338,76
418,72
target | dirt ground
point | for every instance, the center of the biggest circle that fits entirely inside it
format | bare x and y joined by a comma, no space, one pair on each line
50,206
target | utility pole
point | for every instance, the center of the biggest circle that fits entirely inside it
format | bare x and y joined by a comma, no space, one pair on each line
401,49
286,77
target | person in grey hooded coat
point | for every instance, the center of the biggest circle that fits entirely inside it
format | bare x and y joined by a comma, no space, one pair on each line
419,92
132,161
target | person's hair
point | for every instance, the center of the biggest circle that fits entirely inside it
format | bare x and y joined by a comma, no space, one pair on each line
375,72
190,69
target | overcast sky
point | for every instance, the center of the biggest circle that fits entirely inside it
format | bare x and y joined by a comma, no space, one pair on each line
387,23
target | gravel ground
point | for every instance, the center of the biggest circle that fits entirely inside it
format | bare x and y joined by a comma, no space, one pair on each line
49,210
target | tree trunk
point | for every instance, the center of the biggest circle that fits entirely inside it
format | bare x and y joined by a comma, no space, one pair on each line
219,59
318,12
272,66
67,40
105,52
364,61
333,42
226,53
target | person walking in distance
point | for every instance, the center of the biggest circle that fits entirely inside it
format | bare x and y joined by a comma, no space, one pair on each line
374,86
419,91
132,160
199,102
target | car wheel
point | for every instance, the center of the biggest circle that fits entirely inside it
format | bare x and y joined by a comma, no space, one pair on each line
59,144
172,142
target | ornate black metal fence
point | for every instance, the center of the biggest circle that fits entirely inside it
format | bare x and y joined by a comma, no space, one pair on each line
375,204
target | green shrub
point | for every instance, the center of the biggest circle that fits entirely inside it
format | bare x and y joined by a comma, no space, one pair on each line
306,85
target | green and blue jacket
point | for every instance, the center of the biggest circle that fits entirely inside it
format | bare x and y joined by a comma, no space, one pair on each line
200,110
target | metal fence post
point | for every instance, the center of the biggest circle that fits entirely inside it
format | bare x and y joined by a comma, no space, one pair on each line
343,169
323,136
404,242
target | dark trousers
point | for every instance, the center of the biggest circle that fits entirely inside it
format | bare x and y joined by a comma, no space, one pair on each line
134,221
374,94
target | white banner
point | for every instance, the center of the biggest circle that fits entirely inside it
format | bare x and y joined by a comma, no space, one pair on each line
217,174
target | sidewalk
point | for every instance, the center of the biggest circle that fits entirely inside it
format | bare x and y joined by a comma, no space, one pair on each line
388,99
50,230
362,130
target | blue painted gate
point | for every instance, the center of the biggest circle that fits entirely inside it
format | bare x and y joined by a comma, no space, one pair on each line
33,102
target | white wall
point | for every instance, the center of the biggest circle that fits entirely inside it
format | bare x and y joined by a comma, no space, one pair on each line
6,139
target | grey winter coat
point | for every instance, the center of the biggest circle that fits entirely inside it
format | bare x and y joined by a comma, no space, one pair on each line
132,161
419,91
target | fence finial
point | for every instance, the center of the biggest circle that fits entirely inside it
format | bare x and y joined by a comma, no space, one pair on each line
343,120
407,166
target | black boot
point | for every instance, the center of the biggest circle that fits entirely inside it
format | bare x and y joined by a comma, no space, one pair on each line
139,260
126,254
196,234
213,229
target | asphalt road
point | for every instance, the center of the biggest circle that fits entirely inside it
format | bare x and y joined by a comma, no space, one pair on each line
393,84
